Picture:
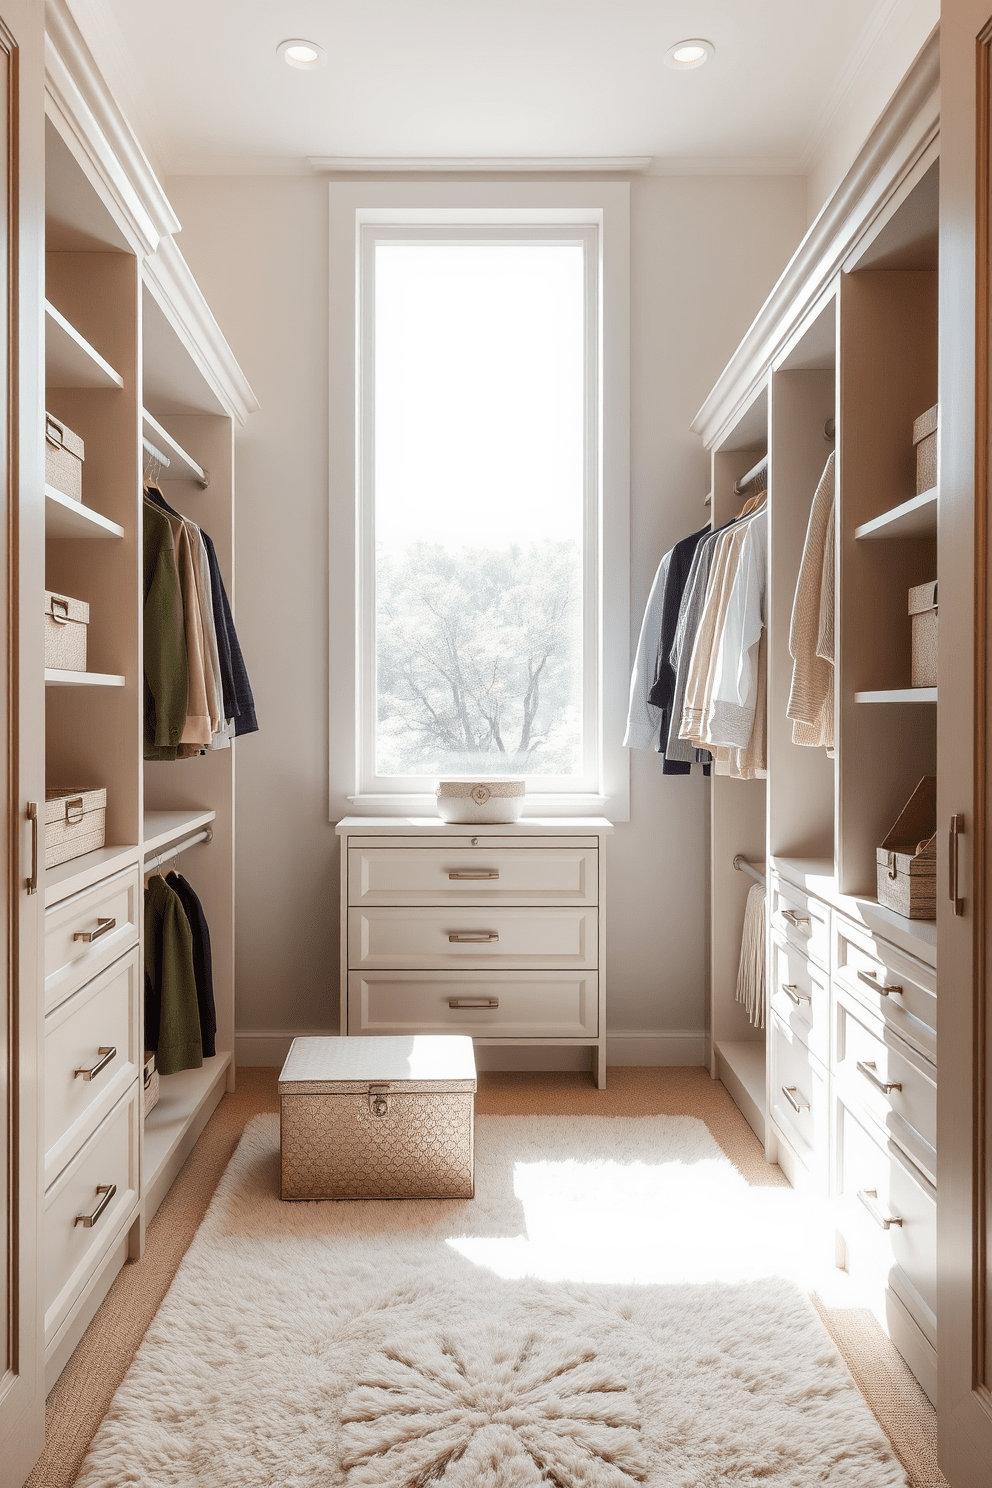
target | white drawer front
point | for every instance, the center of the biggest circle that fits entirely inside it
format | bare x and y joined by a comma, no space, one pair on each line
895,1084
70,961
547,1004
102,1016
800,994
412,939
875,1184
447,875
890,983
72,1250
798,1097
801,920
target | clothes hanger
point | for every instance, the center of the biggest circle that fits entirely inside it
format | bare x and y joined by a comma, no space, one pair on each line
753,503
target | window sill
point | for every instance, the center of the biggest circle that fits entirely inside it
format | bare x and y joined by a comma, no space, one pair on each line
536,805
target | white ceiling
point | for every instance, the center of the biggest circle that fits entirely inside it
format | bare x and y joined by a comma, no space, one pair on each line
201,81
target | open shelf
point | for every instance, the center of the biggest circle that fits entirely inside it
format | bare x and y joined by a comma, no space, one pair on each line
79,873
67,518
914,518
182,466
162,828
898,695
70,360
55,677
185,1103
741,1068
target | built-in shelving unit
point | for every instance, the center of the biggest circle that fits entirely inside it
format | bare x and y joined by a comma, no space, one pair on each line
181,466
898,695
916,517
82,872
55,677
163,828
70,360
65,518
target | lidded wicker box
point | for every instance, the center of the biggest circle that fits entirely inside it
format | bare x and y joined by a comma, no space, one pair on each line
66,621
75,823
64,455
923,615
378,1118
925,439
906,862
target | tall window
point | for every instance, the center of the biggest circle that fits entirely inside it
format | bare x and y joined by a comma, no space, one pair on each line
480,591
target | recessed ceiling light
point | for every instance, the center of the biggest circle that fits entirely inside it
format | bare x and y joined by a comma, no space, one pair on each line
685,55
305,55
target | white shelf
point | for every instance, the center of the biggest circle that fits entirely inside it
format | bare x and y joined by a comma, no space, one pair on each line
741,1067
181,465
67,518
899,695
914,518
55,677
80,873
185,1103
162,828
70,360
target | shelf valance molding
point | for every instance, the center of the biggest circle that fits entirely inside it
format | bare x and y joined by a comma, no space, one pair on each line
79,99
908,127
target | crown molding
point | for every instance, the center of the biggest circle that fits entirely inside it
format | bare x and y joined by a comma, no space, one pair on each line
904,133
468,165
80,102
170,280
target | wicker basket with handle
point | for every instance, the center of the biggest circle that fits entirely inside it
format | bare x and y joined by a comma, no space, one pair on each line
66,621
75,823
64,455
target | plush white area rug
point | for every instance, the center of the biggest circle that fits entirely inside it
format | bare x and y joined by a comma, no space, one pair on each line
606,1312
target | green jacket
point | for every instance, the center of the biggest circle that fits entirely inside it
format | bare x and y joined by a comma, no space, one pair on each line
166,665
172,1014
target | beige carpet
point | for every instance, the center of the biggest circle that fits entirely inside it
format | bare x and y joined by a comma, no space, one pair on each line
82,1395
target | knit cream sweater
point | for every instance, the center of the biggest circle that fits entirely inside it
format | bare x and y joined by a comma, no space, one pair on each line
811,636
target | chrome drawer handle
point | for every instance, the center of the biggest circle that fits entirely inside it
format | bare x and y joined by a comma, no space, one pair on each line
458,877
799,1106
869,1069
870,979
89,1220
108,1053
793,993
869,1197
474,937
473,1002
797,920
104,927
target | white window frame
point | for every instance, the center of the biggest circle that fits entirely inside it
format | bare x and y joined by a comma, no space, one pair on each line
357,208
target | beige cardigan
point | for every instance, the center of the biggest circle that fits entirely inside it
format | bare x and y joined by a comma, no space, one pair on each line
811,636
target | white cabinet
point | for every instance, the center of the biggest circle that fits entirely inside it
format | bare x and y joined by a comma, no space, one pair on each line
495,931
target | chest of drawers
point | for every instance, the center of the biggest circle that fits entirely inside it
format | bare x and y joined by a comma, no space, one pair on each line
494,931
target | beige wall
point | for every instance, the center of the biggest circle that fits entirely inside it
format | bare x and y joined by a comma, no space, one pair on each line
705,252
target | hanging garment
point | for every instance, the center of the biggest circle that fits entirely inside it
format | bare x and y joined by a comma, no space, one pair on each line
202,961
662,694
211,655
716,600
164,648
732,685
751,972
239,704
643,717
811,635
172,1017
196,727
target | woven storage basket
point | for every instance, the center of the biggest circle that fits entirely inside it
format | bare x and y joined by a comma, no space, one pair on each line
906,862
63,459
923,611
75,823
65,632
480,801
925,439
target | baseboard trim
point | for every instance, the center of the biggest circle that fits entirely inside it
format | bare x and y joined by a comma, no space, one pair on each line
644,1046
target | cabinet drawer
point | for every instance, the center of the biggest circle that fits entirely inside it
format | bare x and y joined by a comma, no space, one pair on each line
798,1097
411,939
889,982
70,961
800,994
103,1015
72,1250
497,1004
459,875
875,1184
894,1083
801,920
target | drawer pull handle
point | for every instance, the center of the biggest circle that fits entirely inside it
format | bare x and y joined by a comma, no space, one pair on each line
793,993
953,862
473,937
869,1069
870,979
59,610
869,1197
487,873
107,1053
473,1002
89,1220
797,920
104,927
32,883
798,1105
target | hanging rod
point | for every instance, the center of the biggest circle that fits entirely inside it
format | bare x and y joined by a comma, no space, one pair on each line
743,866
741,486
156,454
167,854
830,429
